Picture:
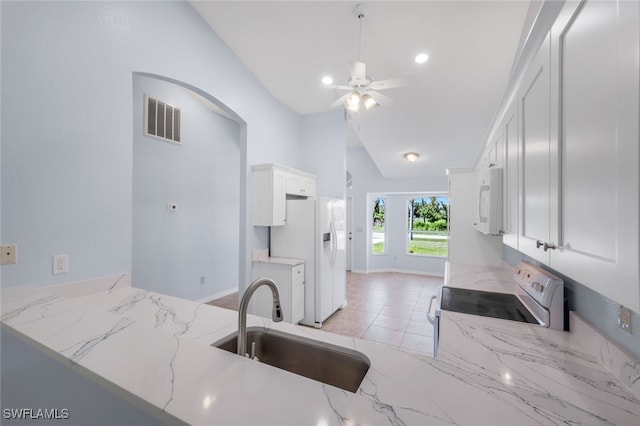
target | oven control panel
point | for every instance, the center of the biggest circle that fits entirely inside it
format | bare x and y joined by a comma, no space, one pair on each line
538,283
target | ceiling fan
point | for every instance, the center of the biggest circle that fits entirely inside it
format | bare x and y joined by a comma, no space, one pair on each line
362,89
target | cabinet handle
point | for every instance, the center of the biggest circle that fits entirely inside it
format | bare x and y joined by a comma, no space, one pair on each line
549,246
540,244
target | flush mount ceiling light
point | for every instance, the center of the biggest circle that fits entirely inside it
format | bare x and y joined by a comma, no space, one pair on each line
411,156
327,80
421,58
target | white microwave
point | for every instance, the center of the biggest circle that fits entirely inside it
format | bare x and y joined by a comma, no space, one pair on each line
490,204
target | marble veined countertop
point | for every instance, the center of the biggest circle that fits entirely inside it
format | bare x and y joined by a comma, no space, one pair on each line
156,350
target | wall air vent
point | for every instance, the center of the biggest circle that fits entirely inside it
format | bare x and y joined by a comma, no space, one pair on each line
162,120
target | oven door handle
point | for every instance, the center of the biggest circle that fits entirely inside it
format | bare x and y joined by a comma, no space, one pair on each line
434,311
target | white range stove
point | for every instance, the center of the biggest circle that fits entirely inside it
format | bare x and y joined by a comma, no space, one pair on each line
537,298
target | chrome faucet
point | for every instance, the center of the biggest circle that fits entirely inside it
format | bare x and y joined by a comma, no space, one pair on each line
276,314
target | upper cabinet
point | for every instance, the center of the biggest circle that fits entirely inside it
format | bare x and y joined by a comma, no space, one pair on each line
272,184
511,176
572,170
537,155
595,75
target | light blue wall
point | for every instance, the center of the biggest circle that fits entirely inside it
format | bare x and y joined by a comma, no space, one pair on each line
67,126
367,181
324,151
173,250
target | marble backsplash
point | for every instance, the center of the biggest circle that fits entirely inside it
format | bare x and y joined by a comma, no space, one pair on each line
623,365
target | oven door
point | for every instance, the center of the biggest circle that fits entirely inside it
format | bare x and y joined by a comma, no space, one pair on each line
433,316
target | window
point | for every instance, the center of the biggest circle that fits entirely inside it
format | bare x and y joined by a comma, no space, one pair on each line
378,229
427,222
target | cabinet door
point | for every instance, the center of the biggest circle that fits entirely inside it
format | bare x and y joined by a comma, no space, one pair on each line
297,301
279,198
536,146
595,59
511,179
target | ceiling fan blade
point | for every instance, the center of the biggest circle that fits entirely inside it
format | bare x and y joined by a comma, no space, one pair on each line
340,87
340,101
380,99
358,72
389,84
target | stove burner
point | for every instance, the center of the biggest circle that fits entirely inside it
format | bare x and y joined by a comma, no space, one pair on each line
474,308
484,303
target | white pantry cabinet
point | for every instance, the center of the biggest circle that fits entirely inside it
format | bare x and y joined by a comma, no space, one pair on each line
272,184
595,115
288,275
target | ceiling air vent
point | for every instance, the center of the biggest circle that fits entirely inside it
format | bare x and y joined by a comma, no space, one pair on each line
162,119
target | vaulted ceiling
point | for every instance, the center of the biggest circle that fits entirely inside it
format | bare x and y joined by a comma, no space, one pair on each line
443,114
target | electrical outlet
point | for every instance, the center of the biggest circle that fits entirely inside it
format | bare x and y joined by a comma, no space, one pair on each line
61,264
624,319
8,254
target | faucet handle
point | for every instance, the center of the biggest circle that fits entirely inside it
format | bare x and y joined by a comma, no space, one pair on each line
277,312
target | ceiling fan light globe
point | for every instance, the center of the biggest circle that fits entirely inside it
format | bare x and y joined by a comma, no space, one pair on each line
353,102
368,102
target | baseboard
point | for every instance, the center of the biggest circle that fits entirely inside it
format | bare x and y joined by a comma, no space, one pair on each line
406,271
217,295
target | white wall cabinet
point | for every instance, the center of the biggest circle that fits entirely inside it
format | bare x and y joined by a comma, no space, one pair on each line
579,152
288,275
511,192
298,184
595,92
272,183
537,156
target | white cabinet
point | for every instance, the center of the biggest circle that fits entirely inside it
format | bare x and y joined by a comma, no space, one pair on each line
537,153
595,75
579,151
272,184
511,178
288,275
297,184
269,196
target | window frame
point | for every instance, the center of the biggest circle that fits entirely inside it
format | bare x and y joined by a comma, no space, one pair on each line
385,246
407,222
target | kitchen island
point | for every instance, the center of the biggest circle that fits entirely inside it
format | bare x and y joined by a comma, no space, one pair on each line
155,350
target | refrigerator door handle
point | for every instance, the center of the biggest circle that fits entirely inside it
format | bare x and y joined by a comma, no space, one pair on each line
334,243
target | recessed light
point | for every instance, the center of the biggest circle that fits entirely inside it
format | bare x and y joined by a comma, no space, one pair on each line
421,58
327,80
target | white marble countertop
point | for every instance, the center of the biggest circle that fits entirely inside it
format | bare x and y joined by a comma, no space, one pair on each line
156,349
280,260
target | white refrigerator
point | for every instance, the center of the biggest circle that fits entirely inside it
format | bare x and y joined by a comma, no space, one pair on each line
315,232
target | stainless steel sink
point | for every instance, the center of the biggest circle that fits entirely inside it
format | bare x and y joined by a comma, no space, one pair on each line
324,362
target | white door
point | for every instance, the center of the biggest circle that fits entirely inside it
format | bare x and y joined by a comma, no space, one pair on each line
349,232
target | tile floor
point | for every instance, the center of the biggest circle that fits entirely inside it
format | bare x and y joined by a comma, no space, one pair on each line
386,307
